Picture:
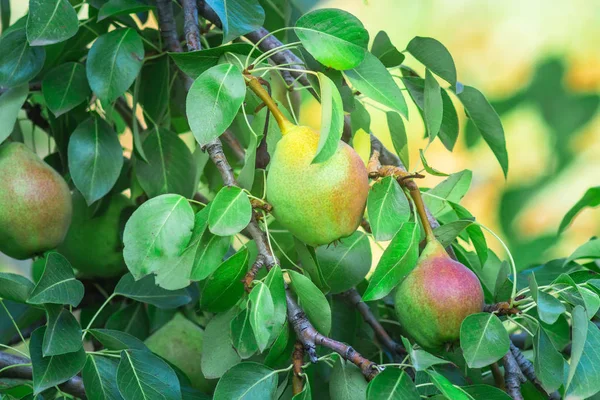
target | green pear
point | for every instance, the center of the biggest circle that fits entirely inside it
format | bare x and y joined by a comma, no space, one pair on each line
93,244
317,203
435,298
179,342
35,203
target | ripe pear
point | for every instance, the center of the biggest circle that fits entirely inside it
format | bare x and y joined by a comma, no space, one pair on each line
318,203
35,203
436,297
93,244
179,342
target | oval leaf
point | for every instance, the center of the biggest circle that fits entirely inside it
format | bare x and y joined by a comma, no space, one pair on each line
312,301
434,56
238,17
11,102
62,96
224,287
57,284
230,211
214,100
262,312
146,291
15,287
19,62
100,378
95,158
142,375
114,62
247,380
335,38
332,119
484,339
51,21
63,332
387,207
392,384
157,232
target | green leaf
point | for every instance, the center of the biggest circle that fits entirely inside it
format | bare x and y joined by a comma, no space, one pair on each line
230,211
548,363
429,168
57,284
4,14
474,231
279,346
50,21
15,287
447,233
578,295
276,284
53,370
452,189
142,375
584,366
360,118
310,263
117,340
19,62
589,249
335,38
154,98
146,291
388,208
373,80
131,319
591,198
242,335
312,301
332,120
247,380
398,259
194,63
238,17
170,166
11,102
306,393
347,382
62,97
487,122
434,56
157,233
385,51
218,354
262,312
433,108
224,287
209,255
113,8
485,392
398,134
420,359
549,307
63,332
446,387
346,264
95,158
449,128
484,339
392,384
100,378
214,100
114,62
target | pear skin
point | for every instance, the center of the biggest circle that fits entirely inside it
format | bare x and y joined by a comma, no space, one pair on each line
317,203
435,298
35,203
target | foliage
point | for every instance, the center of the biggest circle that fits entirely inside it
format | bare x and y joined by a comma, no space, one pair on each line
95,80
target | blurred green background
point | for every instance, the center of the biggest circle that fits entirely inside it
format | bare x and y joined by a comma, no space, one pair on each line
539,64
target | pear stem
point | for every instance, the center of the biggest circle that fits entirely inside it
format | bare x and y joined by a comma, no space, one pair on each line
415,193
254,83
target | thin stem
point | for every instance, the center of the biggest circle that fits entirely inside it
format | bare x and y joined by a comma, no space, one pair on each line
289,100
96,315
269,53
14,349
415,193
104,354
253,83
12,320
519,325
396,365
196,202
258,42
14,366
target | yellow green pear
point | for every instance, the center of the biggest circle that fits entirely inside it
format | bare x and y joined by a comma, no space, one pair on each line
93,244
35,203
318,203
179,342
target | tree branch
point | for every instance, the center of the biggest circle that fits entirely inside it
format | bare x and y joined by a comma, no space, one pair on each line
73,386
513,377
297,361
353,297
529,371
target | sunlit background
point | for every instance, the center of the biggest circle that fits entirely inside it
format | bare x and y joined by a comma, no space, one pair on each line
539,64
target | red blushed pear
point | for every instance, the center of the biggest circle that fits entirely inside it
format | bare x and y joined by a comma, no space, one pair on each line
435,298
318,203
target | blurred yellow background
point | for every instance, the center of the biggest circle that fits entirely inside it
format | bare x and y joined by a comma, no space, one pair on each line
539,62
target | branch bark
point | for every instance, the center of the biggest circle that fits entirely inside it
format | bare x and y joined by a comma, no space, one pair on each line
353,297
73,386
529,371
513,377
